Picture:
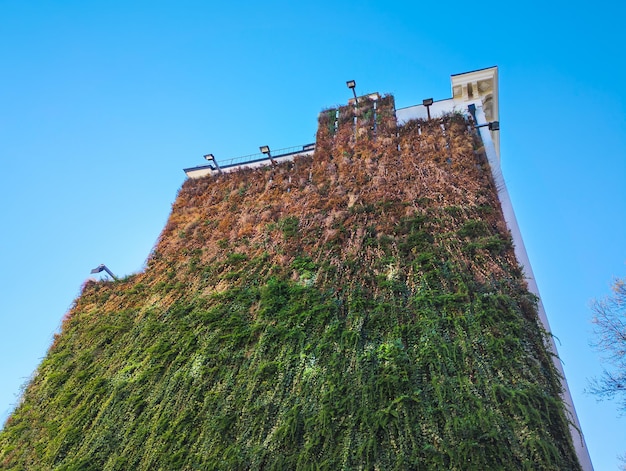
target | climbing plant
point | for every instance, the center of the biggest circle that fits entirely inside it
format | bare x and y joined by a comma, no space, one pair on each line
358,309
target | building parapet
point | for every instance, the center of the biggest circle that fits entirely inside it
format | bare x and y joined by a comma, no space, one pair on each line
251,161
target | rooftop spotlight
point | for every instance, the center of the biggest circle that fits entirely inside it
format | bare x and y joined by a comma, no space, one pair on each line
266,150
211,157
427,102
102,267
493,126
352,86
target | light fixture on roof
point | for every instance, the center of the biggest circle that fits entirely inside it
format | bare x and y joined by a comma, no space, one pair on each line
493,126
211,157
266,150
352,86
102,267
427,102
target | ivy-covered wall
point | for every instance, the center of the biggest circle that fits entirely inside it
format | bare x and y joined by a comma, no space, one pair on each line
358,309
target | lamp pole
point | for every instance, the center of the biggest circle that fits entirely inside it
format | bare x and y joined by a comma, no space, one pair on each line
352,86
211,157
427,102
102,267
493,126
266,150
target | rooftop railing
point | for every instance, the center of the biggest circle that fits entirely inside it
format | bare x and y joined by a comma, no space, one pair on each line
246,159
253,160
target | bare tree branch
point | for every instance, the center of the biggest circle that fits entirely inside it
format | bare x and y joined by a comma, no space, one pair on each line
609,318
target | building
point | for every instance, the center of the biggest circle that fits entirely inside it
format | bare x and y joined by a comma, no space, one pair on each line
361,303
474,93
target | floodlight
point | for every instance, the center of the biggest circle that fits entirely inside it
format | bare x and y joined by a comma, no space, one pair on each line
211,157
492,126
102,267
427,102
266,150
352,86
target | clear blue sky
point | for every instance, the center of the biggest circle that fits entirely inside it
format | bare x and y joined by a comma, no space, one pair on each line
103,103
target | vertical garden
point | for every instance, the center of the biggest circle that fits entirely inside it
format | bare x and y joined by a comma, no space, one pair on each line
358,309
